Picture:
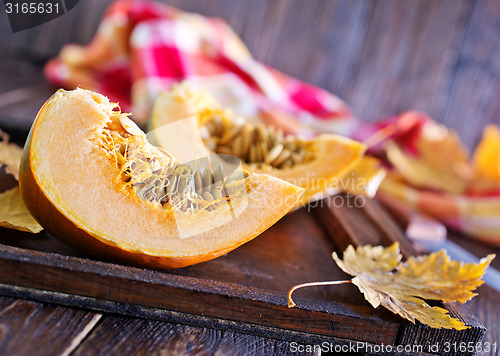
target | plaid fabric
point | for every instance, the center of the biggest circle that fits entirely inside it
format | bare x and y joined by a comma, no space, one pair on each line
142,48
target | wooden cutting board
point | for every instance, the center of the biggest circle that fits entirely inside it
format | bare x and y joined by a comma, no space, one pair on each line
244,290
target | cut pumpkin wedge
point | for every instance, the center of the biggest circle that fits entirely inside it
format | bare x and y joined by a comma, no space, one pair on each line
316,164
90,177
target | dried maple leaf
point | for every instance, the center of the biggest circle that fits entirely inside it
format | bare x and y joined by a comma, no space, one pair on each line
10,155
13,212
384,280
436,159
421,171
486,161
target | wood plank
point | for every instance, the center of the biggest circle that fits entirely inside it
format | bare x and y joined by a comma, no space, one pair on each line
125,336
486,307
30,328
45,41
407,53
170,316
370,224
411,57
249,283
430,67
277,259
212,299
473,80
319,43
360,225
181,297
280,32
19,107
487,303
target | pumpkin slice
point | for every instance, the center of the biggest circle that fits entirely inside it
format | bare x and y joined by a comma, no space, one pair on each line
90,177
317,164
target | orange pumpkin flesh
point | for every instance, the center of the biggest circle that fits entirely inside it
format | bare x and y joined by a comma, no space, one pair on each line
72,187
333,156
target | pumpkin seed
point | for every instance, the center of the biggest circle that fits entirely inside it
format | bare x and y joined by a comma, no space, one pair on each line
211,144
212,128
216,194
172,185
279,135
274,153
284,155
218,174
204,132
207,196
129,126
247,135
290,144
235,176
260,132
206,177
181,185
224,150
230,134
262,151
237,146
198,181
254,143
217,125
252,157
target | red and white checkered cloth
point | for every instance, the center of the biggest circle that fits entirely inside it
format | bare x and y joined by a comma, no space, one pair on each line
142,48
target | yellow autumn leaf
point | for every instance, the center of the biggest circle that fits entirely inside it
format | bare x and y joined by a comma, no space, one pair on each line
441,161
486,158
402,287
399,286
486,162
13,212
10,155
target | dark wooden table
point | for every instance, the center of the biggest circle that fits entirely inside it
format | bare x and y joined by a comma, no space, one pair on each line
382,57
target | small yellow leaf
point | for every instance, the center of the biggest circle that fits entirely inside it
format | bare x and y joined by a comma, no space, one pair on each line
420,173
486,159
397,286
10,155
440,160
13,213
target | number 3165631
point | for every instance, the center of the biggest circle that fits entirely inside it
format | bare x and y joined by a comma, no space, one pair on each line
32,8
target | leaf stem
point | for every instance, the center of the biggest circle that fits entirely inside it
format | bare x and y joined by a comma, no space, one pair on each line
291,303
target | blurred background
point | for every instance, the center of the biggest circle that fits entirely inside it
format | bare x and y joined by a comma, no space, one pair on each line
382,57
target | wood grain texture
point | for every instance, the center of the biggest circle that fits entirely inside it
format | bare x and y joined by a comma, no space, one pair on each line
351,225
247,286
126,336
381,56
474,79
29,328
209,293
487,304
372,225
408,50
